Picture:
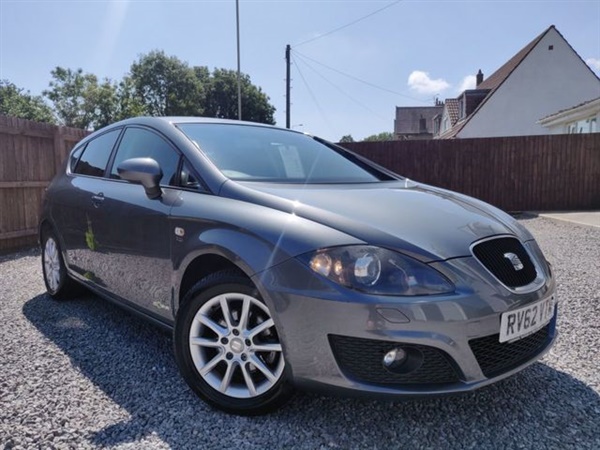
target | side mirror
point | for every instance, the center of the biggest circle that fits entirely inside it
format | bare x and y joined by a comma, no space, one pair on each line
145,171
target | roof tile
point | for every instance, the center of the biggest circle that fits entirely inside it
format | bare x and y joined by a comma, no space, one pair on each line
452,108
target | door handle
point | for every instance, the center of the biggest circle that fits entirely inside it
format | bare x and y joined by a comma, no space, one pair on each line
97,199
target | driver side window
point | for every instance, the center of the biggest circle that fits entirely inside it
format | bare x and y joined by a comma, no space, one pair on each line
140,143
188,179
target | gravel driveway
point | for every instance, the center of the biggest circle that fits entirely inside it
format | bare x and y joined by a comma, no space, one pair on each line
85,374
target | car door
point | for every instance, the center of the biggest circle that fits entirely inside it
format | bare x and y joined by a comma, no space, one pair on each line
133,231
75,202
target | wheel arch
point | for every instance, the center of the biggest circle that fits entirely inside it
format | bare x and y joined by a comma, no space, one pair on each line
45,225
216,249
199,267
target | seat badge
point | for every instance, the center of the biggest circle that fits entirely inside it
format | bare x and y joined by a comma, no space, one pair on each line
180,232
514,260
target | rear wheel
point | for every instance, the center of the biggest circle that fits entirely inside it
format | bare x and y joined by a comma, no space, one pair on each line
58,283
227,346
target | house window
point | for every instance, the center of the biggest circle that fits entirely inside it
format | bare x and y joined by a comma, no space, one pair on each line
422,125
446,124
572,128
589,125
436,124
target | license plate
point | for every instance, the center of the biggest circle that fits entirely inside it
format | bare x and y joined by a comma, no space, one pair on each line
527,320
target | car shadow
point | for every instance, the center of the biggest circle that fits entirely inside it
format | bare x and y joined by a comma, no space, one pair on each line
9,255
132,362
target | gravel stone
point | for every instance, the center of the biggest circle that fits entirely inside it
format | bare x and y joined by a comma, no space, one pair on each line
84,374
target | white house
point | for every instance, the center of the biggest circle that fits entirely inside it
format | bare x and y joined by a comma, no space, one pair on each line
546,76
582,118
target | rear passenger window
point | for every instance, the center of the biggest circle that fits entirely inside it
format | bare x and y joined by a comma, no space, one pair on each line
141,143
75,157
96,154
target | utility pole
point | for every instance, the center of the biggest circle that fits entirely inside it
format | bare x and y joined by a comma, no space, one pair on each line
287,86
239,79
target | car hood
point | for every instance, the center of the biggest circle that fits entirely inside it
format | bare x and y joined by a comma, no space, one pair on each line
428,223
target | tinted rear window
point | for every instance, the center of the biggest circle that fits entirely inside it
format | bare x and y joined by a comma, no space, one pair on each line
96,153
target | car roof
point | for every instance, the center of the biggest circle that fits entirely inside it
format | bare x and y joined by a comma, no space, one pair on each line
166,124
164,120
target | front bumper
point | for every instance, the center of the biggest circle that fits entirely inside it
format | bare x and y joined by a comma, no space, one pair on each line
335,339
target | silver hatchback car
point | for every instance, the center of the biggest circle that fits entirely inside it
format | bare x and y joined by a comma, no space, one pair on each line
280,260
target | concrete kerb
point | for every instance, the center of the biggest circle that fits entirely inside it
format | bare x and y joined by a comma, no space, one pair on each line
589,218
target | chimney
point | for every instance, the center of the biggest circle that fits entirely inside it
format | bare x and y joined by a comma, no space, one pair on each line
479,78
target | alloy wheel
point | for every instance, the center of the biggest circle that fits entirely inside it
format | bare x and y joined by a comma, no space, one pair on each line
52,264
235,347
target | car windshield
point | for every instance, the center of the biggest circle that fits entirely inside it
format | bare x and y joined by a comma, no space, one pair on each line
255,153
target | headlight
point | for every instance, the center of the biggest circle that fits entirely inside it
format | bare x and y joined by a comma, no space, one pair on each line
379,271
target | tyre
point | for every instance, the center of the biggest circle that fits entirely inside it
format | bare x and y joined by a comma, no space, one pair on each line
227,347
58,283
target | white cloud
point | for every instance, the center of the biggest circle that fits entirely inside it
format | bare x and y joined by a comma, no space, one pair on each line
594,63
467,82
421,82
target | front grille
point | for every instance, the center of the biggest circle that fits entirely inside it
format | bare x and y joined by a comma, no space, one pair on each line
496,357
362,360
494,254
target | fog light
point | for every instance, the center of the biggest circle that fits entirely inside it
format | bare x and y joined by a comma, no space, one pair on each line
394,358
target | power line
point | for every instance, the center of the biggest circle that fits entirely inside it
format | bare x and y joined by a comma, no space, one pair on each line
358,79
340,89
348,24
321,111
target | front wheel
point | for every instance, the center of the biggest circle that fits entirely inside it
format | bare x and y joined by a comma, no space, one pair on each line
227,346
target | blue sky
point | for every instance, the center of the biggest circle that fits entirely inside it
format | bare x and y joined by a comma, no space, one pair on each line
411,51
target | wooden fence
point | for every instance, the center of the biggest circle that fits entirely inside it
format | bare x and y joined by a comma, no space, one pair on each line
524,173
30,155
541,173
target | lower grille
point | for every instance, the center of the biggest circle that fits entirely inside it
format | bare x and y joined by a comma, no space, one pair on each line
361,360
496,357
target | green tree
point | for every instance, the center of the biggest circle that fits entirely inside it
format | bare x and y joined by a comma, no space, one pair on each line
166,86
157,85
103,100
16,102
129,104
80,101
68,91
222,97
346,138
384,136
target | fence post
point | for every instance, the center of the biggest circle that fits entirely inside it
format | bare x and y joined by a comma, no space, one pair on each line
59,145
